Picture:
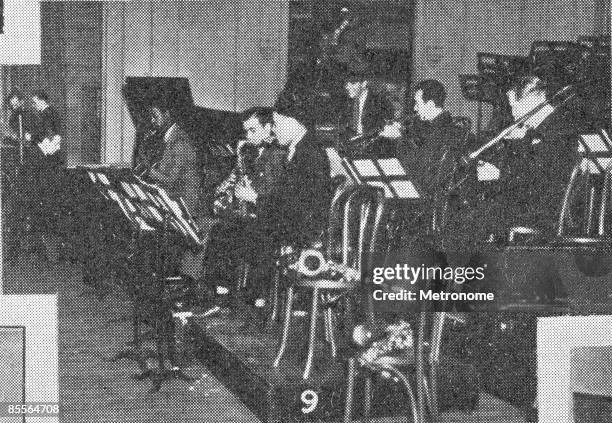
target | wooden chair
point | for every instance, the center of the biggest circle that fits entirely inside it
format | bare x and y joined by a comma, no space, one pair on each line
357,211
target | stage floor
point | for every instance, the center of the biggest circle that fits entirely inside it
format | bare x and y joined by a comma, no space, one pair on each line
239,351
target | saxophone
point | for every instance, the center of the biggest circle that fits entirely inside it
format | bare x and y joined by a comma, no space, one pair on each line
226,201
399,337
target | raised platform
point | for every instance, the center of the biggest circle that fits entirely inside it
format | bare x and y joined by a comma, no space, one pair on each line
239,352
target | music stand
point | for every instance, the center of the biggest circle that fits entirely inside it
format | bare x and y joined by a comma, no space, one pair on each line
502,69
596,162
388,174
478,88
149,208
557,62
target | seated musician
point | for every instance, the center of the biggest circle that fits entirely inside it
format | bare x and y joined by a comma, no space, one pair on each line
427,153
370,113
535,161
289,187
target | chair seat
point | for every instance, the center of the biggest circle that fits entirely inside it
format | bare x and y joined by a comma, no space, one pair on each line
325,283
403,358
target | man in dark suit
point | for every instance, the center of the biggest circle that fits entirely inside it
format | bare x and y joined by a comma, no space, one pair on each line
291,195
535,160
177,170
21,120
370,114
289,189
46,174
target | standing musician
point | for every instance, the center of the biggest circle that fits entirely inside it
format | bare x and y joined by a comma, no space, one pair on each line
370,114
427,152
21,121
46,179
177,170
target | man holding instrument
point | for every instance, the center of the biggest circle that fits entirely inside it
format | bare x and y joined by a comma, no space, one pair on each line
535,159
177,170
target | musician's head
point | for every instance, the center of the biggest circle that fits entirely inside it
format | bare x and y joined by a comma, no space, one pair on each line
356,83
15,99
526,93
287,129
40,99
257,123
161,116
429,97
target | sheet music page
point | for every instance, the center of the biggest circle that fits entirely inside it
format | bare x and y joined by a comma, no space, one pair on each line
128,190
594,142
366,168
589,165
140,192
102,177
391,167
405,189
92,176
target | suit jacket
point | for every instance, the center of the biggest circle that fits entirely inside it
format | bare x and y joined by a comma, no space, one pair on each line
308,191
298,195
534,174
178,169
376,110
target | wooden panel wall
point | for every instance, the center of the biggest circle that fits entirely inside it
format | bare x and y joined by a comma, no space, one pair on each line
70,73
234,53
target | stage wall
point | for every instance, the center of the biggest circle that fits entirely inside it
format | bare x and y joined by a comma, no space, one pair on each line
234,53
450,34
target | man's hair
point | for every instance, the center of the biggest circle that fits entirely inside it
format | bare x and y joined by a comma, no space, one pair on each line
163,107
432,90
357,76
15,93
527,84
264,115
41,95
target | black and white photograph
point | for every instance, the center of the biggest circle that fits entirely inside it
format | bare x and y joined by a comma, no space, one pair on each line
324,211
12,367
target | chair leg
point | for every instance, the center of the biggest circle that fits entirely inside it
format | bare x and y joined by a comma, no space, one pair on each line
431,388
329,321
350,387
313,332
286,325
367,400
275,294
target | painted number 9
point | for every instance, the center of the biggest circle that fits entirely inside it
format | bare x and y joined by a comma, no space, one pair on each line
310,399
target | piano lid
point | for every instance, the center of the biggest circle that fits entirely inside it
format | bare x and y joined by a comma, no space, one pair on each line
205,126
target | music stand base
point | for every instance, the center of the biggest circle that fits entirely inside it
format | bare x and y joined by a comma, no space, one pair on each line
159,376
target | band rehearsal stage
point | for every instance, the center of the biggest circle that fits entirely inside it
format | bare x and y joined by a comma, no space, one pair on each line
239,352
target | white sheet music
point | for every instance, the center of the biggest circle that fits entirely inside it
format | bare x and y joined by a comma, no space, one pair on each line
594,142
366,168
405,189
128,190
391,167
102,177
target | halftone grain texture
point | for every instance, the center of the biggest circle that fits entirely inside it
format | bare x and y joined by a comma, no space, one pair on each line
93,390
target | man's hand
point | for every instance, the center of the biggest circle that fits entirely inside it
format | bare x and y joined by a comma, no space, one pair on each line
391,130
50,146
245,192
